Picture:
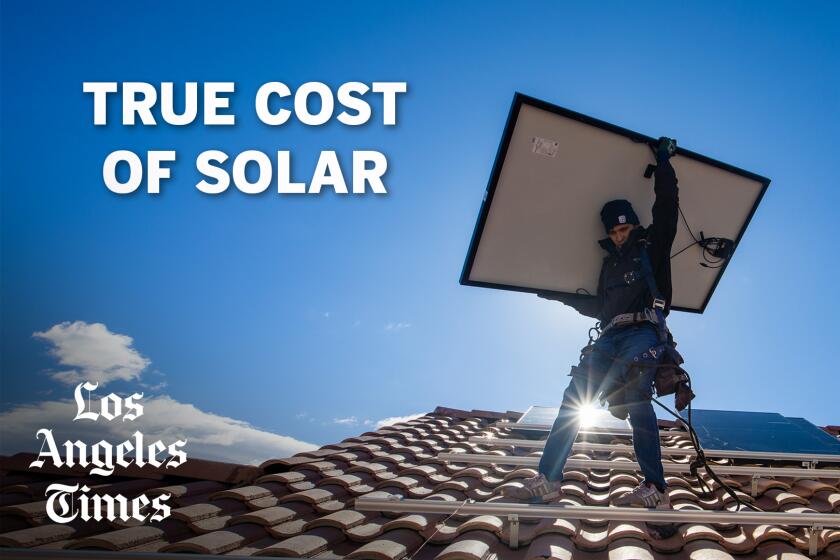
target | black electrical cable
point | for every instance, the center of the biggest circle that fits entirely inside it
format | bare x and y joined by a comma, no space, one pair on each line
684,249
700,461
704,243
688,227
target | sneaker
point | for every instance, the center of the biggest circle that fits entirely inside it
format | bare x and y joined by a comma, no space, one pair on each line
537,488
645,495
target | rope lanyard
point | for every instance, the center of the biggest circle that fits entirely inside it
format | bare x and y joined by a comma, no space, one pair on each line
438,527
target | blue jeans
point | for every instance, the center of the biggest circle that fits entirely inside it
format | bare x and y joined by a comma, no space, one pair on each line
622,343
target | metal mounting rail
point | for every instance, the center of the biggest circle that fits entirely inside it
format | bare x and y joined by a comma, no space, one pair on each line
631,466
513,512
560,511
670,451
590,431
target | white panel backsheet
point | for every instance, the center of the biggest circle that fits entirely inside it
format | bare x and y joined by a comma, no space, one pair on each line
543,224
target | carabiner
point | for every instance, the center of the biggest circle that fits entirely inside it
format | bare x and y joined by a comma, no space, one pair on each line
597,335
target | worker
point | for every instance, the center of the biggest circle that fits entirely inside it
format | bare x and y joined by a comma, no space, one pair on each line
627,311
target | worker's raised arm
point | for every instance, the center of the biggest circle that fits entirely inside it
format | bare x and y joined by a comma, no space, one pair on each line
666,206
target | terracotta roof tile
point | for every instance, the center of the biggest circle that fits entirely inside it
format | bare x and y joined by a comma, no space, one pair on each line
807,488
419,493
187,489
443,532
558,526
330,506
306,545
300,486
121,539
210,524
703,550
32,511
34,536
197,512
474,545
415,521
8,479
630,549
313,496
366,532
290,528
344,519
282,464
783,498
219,542
404,482
318,453
392,545
590,537
551,547
243,493
253,547
489,523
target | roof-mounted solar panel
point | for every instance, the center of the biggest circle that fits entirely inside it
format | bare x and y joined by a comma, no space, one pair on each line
539,223
596,419
761,432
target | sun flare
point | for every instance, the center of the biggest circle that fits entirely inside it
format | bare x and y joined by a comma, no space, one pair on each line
587,414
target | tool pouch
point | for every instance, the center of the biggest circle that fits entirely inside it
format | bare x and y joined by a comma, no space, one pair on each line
671,379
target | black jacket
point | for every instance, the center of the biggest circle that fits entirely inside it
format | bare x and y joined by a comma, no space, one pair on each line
621,286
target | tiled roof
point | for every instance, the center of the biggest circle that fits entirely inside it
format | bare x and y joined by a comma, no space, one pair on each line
303,506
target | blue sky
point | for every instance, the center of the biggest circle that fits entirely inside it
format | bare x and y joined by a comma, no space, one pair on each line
298,315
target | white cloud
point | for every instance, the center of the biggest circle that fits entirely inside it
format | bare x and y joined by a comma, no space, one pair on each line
93,352
351,421
96,354
396,326
156,387
397,419
208,435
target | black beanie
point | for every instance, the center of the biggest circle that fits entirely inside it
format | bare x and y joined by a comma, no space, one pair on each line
616,212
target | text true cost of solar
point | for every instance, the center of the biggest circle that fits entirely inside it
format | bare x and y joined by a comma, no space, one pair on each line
275,105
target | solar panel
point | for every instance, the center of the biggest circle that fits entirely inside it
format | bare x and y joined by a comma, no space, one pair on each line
538,226
591,418
760,431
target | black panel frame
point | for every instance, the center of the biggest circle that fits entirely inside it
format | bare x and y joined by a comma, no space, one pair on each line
520,99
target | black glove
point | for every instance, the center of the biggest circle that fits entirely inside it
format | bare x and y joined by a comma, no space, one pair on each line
666,148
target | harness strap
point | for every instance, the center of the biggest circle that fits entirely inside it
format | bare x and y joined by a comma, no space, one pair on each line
658,301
